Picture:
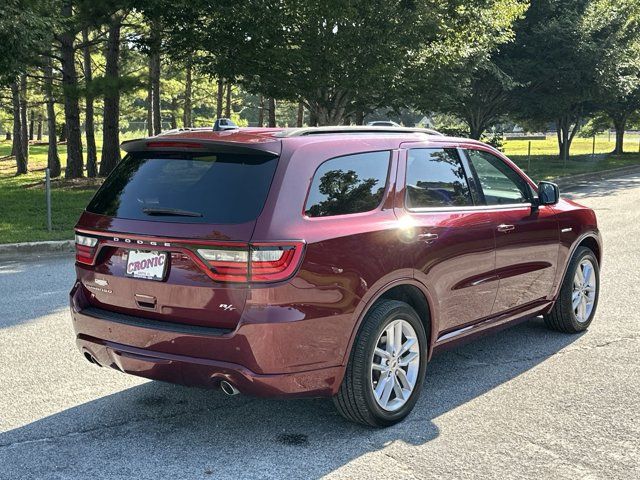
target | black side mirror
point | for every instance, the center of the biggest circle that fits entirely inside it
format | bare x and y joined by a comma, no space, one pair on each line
548,193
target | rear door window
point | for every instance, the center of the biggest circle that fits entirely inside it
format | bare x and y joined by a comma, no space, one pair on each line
187,188
436,178
349,184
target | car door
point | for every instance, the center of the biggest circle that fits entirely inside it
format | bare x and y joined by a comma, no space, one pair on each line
452,240
527,238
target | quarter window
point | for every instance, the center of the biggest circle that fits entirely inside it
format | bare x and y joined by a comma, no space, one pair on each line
436,178
499,183
349,184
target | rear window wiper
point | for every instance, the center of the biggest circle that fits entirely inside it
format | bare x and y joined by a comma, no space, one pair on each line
173,212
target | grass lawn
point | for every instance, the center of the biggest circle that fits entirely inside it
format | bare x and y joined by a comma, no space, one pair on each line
545,165
23,207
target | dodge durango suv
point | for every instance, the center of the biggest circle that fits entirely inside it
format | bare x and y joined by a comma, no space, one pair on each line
324,262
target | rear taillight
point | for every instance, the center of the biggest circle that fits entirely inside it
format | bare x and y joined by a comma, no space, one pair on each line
85,248
257,262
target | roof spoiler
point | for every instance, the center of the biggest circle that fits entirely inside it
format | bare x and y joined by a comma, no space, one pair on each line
168,144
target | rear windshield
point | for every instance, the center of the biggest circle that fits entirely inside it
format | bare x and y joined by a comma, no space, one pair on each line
186,188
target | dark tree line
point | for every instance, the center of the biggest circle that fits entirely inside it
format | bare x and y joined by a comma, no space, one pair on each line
479,60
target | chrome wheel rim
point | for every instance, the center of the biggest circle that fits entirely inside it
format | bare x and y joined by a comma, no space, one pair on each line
395,365
584,291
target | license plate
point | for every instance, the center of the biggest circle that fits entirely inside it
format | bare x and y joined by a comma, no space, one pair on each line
147,265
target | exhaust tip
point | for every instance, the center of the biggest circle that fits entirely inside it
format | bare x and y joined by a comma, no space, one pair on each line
228,389
91,359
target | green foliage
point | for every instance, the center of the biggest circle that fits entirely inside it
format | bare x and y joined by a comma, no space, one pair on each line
26,27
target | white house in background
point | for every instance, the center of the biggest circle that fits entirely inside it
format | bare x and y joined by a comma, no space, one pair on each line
425,122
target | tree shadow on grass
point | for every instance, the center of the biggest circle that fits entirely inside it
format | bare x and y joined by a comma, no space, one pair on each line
157,430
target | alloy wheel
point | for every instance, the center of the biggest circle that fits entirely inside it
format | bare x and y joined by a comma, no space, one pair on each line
395,365
584,291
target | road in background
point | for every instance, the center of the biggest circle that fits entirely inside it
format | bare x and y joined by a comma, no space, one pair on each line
526,403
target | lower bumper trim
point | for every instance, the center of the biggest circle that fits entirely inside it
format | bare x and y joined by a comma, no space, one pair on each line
207,373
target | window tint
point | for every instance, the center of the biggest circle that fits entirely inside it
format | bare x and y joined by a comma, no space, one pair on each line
186,188
499,183
350,184
435,178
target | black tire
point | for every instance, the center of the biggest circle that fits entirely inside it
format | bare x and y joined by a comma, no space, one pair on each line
355,399
562,316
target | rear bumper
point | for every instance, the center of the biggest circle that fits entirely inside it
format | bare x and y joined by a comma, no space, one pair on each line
200,372
268,355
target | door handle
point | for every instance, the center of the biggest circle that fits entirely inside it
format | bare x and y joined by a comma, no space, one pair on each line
505,228
428,237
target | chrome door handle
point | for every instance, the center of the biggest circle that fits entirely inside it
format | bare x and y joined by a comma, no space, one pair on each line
428,237
505,228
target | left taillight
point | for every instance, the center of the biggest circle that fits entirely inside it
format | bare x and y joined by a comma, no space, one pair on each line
257,262
85,248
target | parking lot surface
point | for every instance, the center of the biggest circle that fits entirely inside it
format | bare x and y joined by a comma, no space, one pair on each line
525,403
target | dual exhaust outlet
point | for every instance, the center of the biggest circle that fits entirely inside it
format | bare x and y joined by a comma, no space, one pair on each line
225,386
228,389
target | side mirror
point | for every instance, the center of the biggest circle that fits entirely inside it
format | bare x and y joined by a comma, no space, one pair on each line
548,193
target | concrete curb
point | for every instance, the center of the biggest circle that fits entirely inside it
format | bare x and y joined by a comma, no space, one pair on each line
14,250
575,180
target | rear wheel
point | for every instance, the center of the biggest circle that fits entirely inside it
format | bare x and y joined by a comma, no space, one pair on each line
386,367
576,304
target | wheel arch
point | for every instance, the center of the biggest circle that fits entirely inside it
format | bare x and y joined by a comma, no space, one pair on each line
406,290
591,240
592,243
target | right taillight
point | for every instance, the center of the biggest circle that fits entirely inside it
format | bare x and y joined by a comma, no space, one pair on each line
85,248
257,262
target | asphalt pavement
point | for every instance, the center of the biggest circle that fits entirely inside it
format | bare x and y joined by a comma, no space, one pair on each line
525,403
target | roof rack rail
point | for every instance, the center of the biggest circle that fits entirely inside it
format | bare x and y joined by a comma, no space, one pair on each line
301,132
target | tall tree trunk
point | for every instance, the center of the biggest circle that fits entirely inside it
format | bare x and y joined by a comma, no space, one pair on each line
313,118
187,122
149,107
330,108
219,98
89,123
111,118
18,151
360,117
566,133
300,117
620,123
24,126
15,103
75,162
154,74
272,112
174,112
227,109
39,128
261,112
53,161
32,125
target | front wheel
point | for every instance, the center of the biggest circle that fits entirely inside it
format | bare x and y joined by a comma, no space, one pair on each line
386,367
576,304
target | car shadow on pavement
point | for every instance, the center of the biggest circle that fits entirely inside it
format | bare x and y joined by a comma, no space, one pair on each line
158,430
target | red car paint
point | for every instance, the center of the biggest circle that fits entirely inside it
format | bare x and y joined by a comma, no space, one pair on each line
293,337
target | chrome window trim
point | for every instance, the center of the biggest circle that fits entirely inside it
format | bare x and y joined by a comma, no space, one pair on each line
473,208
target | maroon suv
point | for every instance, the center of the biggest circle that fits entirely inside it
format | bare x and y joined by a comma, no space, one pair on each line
320,262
